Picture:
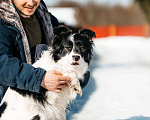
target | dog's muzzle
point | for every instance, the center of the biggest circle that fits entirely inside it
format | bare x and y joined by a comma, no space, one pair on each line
75,60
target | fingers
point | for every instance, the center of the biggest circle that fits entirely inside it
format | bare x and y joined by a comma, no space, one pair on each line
57,90
61,82
61,76
57,72
56,85
61,86
64,78
54,81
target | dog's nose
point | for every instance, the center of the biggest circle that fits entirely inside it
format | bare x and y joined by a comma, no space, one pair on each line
76,57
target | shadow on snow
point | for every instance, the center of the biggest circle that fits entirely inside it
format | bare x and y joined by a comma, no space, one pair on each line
137,118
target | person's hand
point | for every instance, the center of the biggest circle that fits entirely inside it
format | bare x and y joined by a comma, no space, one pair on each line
54,81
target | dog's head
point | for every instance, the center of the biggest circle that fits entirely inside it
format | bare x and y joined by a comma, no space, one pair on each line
74,48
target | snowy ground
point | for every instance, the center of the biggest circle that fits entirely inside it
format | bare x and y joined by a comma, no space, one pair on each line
119,88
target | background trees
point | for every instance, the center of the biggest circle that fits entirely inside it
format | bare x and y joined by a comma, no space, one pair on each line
145,5
96,14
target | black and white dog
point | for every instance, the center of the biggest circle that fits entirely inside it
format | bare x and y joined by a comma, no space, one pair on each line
70,54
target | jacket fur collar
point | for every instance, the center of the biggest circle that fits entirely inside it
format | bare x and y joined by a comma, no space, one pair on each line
9,13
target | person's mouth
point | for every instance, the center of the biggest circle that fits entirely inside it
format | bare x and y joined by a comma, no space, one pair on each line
29,8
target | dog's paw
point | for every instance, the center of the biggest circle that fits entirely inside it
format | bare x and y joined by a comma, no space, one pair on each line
77,88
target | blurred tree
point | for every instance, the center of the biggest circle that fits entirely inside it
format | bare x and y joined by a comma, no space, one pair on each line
95,14
145,5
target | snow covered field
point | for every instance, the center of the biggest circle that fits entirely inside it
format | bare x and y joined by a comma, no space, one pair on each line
119,88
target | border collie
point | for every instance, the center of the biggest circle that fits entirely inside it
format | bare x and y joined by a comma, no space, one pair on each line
70,54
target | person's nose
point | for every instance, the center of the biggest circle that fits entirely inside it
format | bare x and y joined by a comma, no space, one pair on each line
31,2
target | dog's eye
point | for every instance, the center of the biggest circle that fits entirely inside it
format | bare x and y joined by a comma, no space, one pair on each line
82,48
69,47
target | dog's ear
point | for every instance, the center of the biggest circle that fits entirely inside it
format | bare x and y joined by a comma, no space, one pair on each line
60,34
61,29
88,33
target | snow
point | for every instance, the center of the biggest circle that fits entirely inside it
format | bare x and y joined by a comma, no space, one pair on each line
119,87
65,14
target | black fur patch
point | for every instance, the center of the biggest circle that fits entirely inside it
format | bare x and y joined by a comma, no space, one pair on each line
59,44
40,97
2,108
37,117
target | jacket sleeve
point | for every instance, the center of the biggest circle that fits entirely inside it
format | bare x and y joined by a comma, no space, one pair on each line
13,72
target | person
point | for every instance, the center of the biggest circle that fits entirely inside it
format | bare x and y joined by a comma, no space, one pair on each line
26,28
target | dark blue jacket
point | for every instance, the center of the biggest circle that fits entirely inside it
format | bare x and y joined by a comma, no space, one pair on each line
15,70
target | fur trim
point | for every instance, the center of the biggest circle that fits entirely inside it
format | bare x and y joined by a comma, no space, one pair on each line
9,14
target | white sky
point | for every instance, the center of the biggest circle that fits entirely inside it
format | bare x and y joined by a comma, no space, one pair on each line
108,2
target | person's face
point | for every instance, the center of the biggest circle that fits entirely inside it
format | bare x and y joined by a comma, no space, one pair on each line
26,7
